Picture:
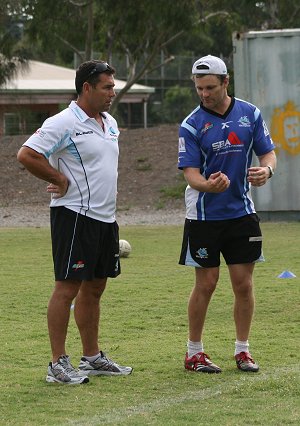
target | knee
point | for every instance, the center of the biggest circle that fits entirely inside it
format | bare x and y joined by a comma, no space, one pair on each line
243,288
66,290
207,287
93,289
210,287
98,290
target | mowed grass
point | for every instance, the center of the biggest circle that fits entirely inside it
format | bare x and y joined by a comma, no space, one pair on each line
144,324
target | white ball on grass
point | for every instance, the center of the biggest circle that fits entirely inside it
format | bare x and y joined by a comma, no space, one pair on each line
124,248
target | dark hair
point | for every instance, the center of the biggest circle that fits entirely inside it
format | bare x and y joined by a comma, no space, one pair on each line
221,77
89,71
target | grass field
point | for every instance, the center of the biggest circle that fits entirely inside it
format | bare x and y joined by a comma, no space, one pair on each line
144,324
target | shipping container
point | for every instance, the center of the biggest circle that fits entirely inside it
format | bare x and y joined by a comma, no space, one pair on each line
266,67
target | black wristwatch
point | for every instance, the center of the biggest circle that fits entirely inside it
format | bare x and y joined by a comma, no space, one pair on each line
271,171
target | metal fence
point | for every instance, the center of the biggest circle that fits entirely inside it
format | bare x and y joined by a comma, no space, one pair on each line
176,68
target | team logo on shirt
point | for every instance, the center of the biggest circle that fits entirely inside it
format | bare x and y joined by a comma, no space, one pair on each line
206,127
202,253
113,133
244,121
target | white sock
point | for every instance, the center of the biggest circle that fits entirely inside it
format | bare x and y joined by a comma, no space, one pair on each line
194,348
92,358
241,346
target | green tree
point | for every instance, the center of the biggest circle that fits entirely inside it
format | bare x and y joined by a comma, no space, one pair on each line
178,102
13,54
140,29
137,29
60,29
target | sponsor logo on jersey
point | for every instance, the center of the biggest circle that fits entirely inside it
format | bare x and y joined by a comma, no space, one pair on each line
202,253
40,132
266,130
78,265
88,132
231,141
181,145
206,127
226,125
244,121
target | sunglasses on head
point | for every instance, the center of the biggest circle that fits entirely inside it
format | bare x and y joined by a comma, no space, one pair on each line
99,68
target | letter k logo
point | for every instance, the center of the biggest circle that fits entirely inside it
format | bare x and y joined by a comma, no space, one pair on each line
225,125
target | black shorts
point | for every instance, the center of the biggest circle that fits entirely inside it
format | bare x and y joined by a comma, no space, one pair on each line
83,248
239,240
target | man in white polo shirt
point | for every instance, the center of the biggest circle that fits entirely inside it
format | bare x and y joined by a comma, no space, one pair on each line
76,152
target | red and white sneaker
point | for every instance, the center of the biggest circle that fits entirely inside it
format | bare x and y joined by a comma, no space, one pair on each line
245,362
200,363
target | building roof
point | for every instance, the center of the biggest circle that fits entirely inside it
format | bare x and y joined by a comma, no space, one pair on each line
43,77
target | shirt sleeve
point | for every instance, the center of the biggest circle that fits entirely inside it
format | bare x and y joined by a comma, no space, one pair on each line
262,142
189,154
49,138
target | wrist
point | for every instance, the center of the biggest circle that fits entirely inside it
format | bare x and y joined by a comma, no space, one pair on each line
271,171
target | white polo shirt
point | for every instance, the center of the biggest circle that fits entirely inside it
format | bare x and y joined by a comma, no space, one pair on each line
77,146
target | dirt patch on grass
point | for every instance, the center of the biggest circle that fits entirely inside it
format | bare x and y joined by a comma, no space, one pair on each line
147,166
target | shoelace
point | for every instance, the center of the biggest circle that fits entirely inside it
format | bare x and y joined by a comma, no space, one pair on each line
203,356
110,362
246,357
68,367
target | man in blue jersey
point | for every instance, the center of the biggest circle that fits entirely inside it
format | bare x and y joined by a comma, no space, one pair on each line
216,144
76,152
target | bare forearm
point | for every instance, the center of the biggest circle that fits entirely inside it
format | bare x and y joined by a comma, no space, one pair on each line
216,182
195,180
268,159
258,176
38,165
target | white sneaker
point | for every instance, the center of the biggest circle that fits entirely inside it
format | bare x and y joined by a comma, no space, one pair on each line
64,372
103,366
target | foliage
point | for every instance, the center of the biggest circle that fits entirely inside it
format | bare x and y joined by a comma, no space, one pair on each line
178,103
140,30
176,191
13,53
55,31
144,324
62,33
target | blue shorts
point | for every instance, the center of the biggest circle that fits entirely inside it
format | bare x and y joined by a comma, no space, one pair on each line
83,248
238,240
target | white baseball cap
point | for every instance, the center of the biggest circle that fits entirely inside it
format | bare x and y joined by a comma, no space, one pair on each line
209,65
